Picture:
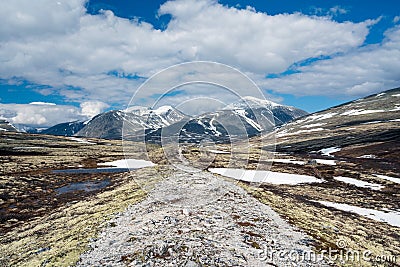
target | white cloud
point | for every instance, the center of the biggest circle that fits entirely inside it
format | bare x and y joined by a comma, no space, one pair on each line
42,103
32,19
337,10
61,46
396,19
41,114
363,71
92,108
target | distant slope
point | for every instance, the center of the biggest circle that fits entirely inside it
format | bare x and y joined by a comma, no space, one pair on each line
239,119
65,129
281,113
109,125
246,118
368,120
7,126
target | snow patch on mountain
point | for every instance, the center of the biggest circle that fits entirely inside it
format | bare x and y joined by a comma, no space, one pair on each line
328,151
243,113
252,102
356,112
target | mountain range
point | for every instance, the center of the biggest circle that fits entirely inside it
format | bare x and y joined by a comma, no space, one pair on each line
249,116
246,117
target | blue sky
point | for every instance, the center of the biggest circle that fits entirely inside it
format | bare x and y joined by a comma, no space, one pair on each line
90,56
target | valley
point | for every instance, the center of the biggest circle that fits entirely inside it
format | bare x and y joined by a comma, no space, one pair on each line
51,217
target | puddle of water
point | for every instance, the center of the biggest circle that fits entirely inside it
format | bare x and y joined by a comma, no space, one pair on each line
93,170
87,186
128,163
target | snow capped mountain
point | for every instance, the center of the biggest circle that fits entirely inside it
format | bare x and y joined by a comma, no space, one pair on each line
252,107
253,102
248,117
109,125
7,126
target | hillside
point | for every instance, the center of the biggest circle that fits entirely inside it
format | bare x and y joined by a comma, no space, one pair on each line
6,126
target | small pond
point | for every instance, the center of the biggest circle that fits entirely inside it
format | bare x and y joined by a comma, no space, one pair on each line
92,170
86,186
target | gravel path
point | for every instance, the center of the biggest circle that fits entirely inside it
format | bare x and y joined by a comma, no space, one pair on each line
196,219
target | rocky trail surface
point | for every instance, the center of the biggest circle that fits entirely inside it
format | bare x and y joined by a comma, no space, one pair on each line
196,219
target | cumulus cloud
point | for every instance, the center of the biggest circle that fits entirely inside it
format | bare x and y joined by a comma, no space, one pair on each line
42,114
84,57
39,115
363,71
42,103
92,108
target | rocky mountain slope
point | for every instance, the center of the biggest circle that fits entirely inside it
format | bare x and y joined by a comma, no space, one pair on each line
6,126
65,129
246,118
373,118
109,125
365,132
253,106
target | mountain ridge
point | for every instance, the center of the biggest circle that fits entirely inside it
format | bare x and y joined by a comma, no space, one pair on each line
240,119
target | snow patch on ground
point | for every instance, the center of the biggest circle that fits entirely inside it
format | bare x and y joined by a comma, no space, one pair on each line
218,151
356,112
328,151
370,156
392,179
372,122
128,163
312,125
285,133
292,161
81,140
358,183
259,176
326,161
388,216
317,117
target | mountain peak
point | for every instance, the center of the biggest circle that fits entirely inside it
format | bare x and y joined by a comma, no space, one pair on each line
251,102
162,110
6,125
138,110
